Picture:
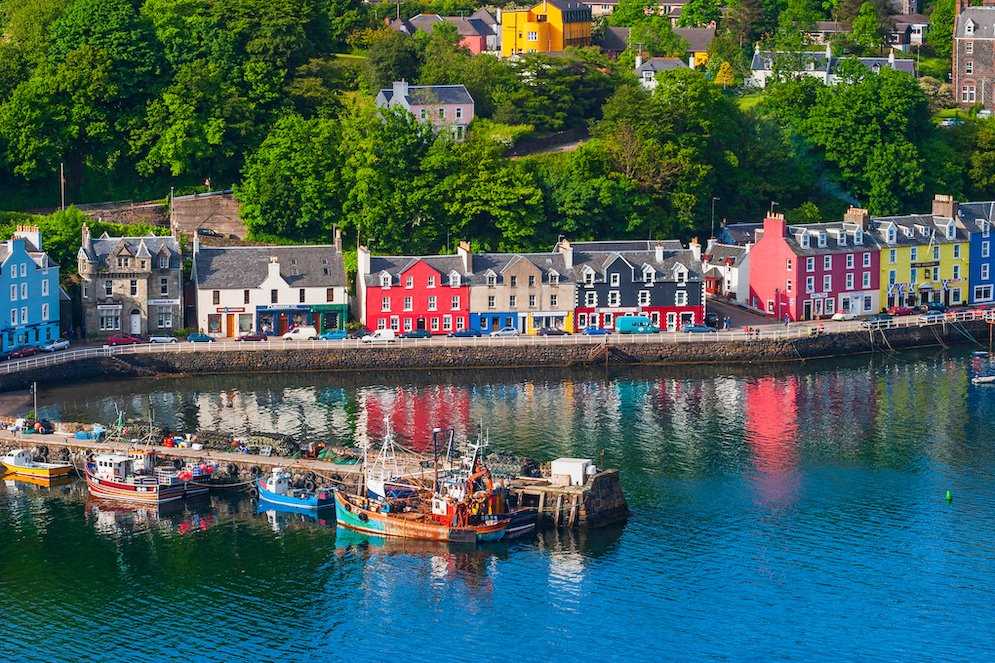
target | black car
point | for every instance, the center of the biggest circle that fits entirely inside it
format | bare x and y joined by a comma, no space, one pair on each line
935,307
465,333
359,333
416,333
208,232
712,319
552,331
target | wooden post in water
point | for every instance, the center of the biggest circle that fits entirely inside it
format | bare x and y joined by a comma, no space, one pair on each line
559,507
542,504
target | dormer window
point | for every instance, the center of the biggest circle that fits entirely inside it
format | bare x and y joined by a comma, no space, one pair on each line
588,276
969,27
803,240
385,280
554,278
822,239
491,279
908,231
163,262
951,231
681,274
892,235
841,239
648,275
615,279
985,228
454,280
858,236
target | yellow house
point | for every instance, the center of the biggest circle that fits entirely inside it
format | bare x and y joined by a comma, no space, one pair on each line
548,27
699,41
924,257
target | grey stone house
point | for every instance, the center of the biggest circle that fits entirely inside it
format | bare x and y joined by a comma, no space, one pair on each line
130,285
443,106
973,64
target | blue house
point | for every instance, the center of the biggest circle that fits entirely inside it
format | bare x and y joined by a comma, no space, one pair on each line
977,218
29,291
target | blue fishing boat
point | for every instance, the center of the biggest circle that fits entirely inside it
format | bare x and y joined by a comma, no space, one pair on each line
277,489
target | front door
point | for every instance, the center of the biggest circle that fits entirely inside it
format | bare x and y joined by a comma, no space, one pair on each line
136,322
230,325
687,320
807,310
671,322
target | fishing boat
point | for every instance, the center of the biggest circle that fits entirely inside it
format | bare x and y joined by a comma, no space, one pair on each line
462,507
277,489
983,379
383,474
21,463
114,477
195,476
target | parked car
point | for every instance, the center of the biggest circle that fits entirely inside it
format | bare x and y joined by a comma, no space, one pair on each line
302,333
466,333
416,333
163,339
209,232
697,329
951,122
198,337
380,336
122,340
935,307
596,331
359,332
506,331
252,337
900,310
24,352
552,331
333,335
880,317
840,316
712,319
56,345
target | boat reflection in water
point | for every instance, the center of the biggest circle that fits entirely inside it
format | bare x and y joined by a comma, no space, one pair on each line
282,518
116,518
19,482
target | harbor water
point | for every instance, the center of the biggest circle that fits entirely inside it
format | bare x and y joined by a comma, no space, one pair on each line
793,512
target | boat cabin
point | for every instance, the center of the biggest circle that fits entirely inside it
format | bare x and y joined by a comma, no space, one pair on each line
18,458
113,467
278,481
144,460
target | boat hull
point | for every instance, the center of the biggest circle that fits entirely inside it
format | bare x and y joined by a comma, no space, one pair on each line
312,503
126,492
40,470
349,514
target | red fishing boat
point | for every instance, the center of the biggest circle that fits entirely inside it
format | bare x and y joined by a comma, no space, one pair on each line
114,477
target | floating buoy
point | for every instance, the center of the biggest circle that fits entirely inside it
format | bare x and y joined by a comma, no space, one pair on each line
950,496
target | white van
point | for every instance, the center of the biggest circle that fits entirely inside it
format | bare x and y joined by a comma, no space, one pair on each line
380,335
304,333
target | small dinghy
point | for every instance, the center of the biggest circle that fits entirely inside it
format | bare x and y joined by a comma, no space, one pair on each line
21,463
983,379
277,489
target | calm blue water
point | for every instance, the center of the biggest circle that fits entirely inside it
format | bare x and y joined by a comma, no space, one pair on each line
792,513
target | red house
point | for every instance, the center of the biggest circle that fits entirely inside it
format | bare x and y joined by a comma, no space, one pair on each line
405,293
814,271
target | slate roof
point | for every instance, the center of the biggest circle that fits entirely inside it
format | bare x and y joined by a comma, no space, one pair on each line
831,26
496,262
832,229
475,26
237,267
983,19
911,19
626,245
719,252
817,61
600,261
397,265
614,39
916,223
484,16
98,250
426,95
740,233
972,214
698,39
661,64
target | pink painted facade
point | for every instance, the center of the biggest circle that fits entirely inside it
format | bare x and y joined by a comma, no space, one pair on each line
811,272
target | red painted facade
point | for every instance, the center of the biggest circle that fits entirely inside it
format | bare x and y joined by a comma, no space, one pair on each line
667,318
813,282
423,299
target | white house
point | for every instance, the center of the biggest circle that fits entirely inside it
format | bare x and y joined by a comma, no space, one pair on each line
269,289
726,268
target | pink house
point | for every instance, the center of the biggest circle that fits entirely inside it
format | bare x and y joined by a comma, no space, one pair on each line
478,33
444,106
814,271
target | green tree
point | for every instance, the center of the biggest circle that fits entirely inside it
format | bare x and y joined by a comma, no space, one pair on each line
392,56
941,28
982,160
700,12
867,31
657,37
628,12
291,185
725,77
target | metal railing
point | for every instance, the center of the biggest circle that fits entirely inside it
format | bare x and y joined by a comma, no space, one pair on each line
761,333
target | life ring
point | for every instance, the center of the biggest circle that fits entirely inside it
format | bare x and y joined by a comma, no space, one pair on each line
256,471
309,484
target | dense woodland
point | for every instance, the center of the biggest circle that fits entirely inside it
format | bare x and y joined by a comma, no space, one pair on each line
275,98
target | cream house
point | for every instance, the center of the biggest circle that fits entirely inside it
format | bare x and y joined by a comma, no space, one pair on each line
269,289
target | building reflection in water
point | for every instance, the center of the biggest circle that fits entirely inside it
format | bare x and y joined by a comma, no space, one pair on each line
771,427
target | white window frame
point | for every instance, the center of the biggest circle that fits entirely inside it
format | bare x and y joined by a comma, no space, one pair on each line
644,297
810,264
865,280
433,303
385,304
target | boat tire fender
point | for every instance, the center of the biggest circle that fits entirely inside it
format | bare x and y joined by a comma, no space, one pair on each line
232,470
309,484
310,476
43,452
256,471
363,517
253,491
177,463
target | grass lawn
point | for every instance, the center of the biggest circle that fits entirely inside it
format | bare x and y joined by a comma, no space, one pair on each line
933,66
749,100
951,112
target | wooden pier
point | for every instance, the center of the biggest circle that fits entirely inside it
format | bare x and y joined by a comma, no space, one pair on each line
598,502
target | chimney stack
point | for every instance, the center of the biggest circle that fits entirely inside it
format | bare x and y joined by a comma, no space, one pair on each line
30,233
857,216
362,262
563,248
273,267
694,245
639,60
400,90
337,238
774,225
944,205
466,255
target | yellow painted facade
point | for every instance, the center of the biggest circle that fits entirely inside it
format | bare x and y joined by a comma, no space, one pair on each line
913,275
548,27
700,58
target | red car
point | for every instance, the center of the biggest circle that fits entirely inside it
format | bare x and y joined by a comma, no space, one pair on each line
122,340
21,353
901,310
252,337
